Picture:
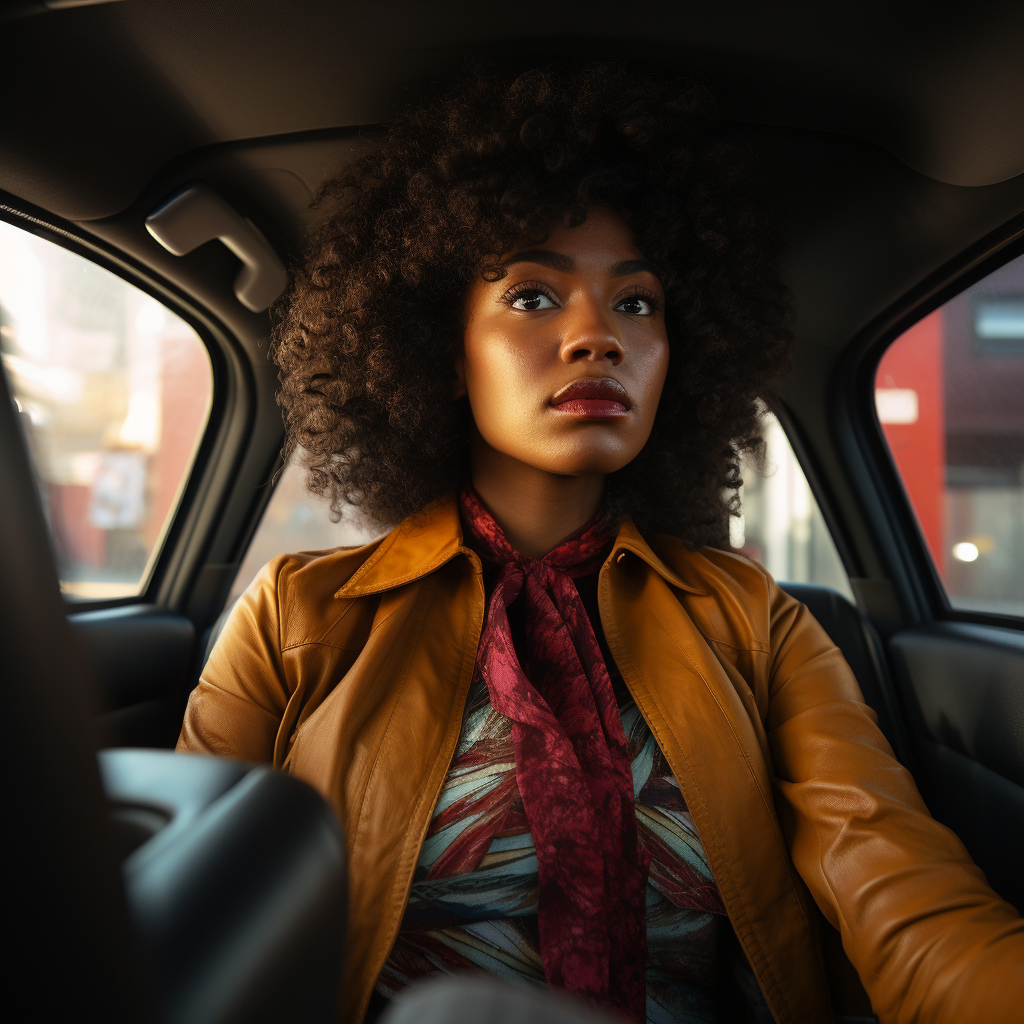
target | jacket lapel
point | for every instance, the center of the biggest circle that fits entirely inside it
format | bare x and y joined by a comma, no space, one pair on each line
381,743
703,727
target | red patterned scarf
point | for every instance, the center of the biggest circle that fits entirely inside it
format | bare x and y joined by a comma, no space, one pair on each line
572,765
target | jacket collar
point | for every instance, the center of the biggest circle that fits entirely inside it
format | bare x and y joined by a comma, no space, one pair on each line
416,547
629,539
424,542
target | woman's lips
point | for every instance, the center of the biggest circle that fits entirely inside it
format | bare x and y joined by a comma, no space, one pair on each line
601,399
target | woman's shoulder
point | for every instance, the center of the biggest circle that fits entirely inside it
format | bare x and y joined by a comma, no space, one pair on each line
299,568
730,597
713,567
736,600
300,589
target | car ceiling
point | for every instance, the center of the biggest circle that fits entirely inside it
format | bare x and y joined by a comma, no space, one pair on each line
117,91
892,133
942,92
105,98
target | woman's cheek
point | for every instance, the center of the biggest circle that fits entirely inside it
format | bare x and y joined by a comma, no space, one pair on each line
506,422
499,384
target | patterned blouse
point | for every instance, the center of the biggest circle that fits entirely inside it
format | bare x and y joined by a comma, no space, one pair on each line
473,903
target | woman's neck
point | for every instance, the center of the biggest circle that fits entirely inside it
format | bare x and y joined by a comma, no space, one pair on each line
536,510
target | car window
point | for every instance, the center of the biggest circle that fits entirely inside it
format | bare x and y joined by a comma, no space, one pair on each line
114,391
781,525
950,398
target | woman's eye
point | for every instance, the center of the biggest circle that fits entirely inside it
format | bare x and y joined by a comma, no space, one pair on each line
636,305
531,299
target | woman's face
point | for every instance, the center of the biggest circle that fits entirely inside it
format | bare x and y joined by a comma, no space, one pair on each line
565,357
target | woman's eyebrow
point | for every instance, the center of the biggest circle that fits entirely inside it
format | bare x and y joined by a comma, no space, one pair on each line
567,265
626,267
545,257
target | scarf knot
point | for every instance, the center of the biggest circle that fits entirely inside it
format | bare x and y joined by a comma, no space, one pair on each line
572,764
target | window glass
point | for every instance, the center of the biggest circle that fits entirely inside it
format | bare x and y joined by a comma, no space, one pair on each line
781,525
114,391
950,398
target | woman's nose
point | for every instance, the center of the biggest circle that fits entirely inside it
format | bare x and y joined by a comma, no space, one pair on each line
590,338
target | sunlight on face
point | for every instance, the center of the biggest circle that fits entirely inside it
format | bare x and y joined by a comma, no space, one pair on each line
565,356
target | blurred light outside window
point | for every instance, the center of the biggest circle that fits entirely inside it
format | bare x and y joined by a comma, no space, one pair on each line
959,443
781,525
113,392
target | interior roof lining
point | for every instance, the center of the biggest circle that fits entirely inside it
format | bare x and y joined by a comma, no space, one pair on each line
943,94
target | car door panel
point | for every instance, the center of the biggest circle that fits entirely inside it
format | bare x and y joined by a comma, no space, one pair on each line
142,657
962,689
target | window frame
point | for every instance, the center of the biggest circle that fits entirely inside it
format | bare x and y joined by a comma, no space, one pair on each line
211,336
920,577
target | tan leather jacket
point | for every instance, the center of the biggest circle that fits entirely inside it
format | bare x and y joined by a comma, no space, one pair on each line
350,669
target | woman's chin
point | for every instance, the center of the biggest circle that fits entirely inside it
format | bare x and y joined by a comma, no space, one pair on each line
559,456
584,463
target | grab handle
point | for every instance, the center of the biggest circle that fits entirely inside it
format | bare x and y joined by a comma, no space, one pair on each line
197,215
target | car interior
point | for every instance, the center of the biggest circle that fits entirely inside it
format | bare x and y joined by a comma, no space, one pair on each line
176,146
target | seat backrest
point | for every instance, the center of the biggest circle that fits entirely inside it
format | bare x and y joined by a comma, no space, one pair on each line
235,875
74,957
861,646
184,890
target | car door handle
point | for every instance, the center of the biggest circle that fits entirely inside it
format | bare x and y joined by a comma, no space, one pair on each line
196,215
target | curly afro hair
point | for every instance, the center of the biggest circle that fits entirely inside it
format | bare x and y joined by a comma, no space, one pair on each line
367,336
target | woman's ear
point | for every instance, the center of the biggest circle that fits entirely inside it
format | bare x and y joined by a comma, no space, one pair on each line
459,386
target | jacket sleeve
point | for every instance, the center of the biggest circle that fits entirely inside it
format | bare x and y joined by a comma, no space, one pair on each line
930,940
236,709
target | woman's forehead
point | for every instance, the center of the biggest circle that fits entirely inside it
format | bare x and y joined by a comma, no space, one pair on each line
602,242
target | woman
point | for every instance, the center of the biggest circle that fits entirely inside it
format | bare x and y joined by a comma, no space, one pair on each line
570,740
